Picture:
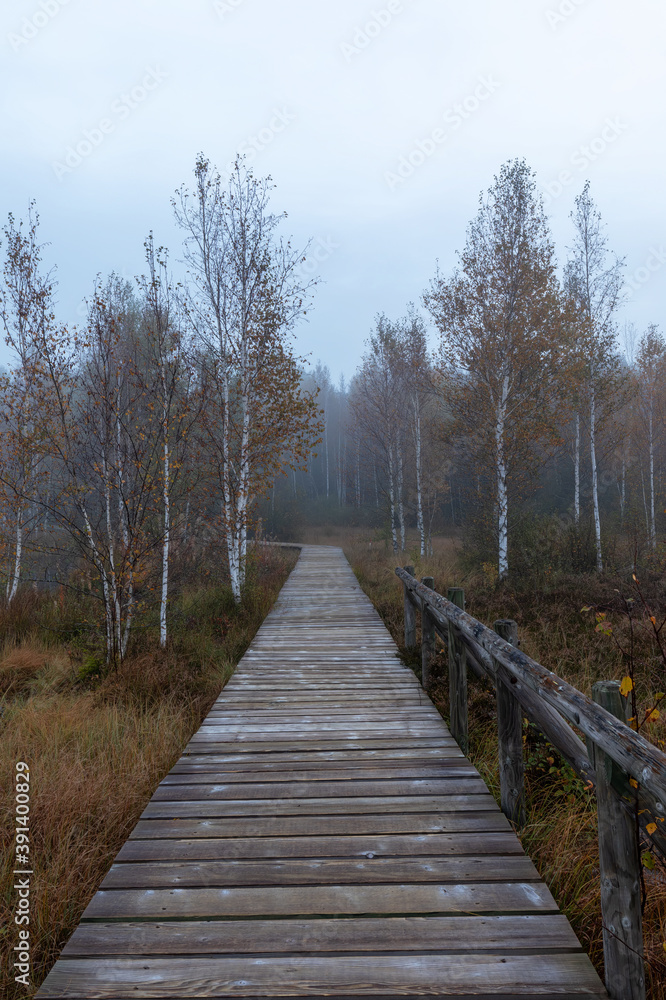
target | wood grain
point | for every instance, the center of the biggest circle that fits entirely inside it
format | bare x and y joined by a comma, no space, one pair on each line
420,934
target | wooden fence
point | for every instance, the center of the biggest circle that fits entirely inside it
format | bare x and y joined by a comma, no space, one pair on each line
627,772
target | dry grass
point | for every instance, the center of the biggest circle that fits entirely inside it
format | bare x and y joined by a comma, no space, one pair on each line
97,748
561,835
18,668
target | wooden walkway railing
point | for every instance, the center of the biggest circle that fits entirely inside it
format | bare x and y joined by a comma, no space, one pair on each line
628,772
322,835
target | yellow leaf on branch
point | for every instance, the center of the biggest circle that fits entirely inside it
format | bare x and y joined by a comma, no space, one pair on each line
626,686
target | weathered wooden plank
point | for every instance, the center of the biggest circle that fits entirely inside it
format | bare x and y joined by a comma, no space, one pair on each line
545,932
269,901
328,758
347,806
306,728
349,700
233,716
319,871
358,846
330,738
190,774
369,975
352,743
620,866
455,785
510,737
285,826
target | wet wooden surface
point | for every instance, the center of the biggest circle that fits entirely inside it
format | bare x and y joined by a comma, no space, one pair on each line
322,836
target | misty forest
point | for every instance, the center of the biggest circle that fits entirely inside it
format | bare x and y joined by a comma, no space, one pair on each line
506,409
504,435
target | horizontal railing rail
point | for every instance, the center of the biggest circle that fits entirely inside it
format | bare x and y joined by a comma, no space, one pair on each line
627,772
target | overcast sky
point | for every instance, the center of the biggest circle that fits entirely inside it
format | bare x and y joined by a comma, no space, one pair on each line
379,123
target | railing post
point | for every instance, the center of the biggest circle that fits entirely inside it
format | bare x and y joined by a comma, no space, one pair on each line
410,614
458,677
619,865
427,637
510,739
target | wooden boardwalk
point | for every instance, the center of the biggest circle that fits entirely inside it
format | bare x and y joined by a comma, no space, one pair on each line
322,835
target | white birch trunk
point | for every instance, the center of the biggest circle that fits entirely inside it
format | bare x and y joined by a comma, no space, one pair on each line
228,504
122,518
419,488
653,525
129,614
113,582
12,584
328,474
166,539
401,502
577,473
502,493
394,535
595,480
645,507
244,479
97,559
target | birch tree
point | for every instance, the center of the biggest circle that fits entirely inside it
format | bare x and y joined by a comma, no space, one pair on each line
322,379
498,318
115,457
245,297
651,373
168,380
418,387
594,277
103,438
26,302
379,405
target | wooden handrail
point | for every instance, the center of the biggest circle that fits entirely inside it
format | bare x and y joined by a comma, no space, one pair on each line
618,753
634,754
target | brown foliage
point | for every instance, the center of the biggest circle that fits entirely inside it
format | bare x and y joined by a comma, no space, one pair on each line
17,669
